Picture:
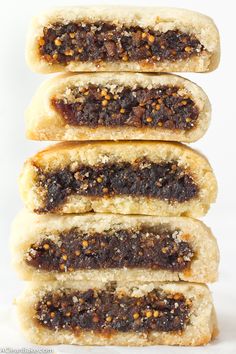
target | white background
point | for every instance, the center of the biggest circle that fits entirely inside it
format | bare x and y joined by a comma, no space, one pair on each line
18,84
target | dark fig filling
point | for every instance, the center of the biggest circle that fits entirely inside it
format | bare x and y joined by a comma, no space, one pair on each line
94,106
149,248
107,311
106,42
165,180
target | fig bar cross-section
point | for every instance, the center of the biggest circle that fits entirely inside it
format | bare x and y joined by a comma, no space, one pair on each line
108,242
152,178
118,106
117,313
111,247
122,39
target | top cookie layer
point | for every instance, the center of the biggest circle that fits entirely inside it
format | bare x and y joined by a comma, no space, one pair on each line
98,39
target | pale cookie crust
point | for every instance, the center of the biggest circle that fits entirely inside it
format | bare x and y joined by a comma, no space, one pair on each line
29,228
200,330
161,19
63,154
43,122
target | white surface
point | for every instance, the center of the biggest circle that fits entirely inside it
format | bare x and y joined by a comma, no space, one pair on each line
18,84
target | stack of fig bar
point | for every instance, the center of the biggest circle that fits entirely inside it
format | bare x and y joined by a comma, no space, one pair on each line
109,241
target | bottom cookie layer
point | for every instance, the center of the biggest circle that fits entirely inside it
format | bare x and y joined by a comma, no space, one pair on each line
117,313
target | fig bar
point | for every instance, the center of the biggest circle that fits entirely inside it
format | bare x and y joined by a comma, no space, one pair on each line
114,247
122,39
118,106
128,314
152,178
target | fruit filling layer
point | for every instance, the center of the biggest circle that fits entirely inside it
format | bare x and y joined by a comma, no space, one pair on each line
146,247
143,178
107,42
110,311
168,107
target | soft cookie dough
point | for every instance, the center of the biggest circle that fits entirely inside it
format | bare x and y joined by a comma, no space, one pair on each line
118,106
122,39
